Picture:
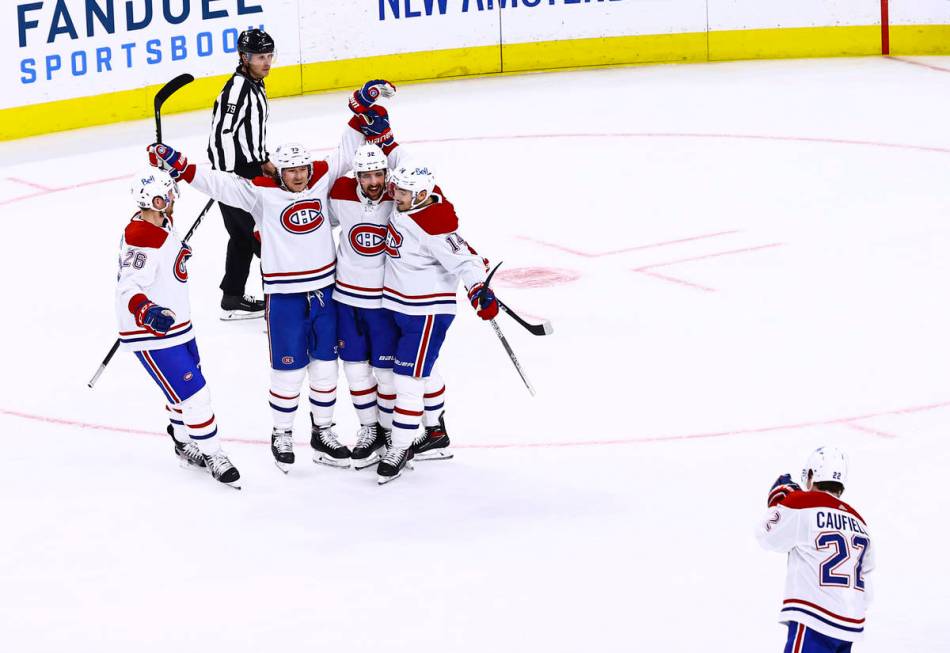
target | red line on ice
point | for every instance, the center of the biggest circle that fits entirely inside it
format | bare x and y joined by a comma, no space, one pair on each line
866,429
50,191
31,184
649,269
510,137
921,64
682,282
846,421
634,248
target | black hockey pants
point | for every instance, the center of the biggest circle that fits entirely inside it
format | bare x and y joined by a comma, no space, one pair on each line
242,247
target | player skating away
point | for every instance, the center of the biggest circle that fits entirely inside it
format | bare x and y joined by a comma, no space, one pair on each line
298,261
154,318
830,554
425,259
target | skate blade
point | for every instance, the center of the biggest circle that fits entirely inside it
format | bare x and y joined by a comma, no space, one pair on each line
438,454
229,316
284,467
383,480
366,462
342,463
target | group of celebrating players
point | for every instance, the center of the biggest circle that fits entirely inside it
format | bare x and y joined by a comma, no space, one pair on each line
381,300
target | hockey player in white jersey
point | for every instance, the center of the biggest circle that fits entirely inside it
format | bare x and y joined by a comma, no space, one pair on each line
830,554
298,262
154,317
360,206
367,334
425,259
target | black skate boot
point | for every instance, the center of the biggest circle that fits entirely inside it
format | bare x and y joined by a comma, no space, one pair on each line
222,470
434,443
369,444
189,455
393,463
327,448
282,448
235,307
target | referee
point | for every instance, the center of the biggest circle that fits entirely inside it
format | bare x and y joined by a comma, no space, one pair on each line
238,144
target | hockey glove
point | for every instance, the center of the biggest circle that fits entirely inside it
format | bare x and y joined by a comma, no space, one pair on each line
365,97
375,127
783,486
150,316
483,301
168,159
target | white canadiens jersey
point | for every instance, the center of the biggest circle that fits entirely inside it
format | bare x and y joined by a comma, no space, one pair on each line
830,554
361,255
297,249
425,258
152,263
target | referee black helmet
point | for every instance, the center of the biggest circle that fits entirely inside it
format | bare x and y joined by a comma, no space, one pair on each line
255,41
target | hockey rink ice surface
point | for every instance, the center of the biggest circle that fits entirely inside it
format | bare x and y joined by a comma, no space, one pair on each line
741,261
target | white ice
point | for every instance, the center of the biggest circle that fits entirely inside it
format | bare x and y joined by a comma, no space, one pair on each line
760,253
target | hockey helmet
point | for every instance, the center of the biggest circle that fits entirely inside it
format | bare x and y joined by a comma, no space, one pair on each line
826,464
369,157
151,183
413,177
291,155
255,41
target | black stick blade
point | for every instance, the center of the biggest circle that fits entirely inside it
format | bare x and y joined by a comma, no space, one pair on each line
163,94
171,87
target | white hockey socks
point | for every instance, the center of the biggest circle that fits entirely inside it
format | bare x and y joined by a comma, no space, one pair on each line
362,390
323,376
385,396
408,411
175,418
284,395
200,422
434,398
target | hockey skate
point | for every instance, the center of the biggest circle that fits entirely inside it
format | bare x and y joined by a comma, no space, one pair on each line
234,307
188,453
433,444
222,470
393,463
327,449
369,446
282,448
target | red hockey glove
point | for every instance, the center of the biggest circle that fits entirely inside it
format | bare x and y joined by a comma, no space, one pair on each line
483,301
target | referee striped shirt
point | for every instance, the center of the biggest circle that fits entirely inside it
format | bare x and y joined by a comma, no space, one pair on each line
239,127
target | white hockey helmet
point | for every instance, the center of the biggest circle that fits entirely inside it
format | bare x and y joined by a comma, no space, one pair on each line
826,464
151,183
414,177
369,157
291,155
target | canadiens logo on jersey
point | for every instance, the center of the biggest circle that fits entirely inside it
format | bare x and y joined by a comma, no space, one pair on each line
181,264
393,241
368,239
303,216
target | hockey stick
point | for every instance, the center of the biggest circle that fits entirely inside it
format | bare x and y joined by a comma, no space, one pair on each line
115,345
511,355
504,341
197,221
163,94
543,329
